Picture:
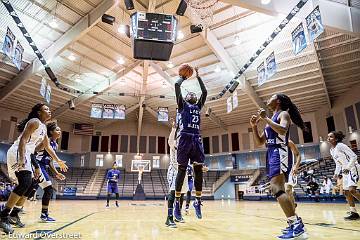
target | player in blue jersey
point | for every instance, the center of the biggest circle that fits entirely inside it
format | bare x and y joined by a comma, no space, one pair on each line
190,147
45,161
113,176
278,156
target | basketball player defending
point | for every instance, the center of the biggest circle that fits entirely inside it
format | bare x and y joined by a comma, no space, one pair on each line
171,178
276,137
112,176
44,161
190,145
346,161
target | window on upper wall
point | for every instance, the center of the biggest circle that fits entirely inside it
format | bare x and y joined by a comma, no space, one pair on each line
330,124
206,144
95,143
350,117
215,144
308,137
114,144
124,143
225,143
105,143
161,145
357,107
235,142
99,160
64,140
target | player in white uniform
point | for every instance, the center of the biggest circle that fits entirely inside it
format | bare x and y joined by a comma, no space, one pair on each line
171,177
33,132
292,179
346,161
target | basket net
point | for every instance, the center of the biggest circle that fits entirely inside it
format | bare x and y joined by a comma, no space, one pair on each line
202,9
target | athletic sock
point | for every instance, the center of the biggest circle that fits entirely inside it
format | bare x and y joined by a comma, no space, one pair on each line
44,211
353,209
292,219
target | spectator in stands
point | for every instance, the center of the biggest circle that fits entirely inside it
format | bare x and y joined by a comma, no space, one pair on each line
326,186
312,187
339,186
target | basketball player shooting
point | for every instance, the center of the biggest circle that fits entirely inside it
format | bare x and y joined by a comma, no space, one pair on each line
113,176
190,145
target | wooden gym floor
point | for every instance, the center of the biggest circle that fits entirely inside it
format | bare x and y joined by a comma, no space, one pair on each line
221,220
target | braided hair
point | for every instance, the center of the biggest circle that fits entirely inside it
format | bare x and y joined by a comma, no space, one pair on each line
287,105
339,136
33,114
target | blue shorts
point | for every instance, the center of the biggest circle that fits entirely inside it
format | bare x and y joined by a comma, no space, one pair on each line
279,160
112,187
190,147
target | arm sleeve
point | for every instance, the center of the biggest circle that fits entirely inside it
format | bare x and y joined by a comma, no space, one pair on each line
171,140
34,161
179,98
203,96
350,156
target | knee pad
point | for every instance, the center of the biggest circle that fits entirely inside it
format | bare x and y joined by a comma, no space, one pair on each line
25,181
279,193
48,191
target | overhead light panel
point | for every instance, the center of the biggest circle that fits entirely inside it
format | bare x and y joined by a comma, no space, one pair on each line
53,23
71,57
170,65
180,35
217,69
265,2
120,61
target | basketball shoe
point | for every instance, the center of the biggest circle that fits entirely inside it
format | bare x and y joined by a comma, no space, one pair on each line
197,205
295,229
170,222
45,218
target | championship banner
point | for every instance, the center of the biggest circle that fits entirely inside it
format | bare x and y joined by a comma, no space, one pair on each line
96,110
163,114
18,55
270,65
235,100
298,39
43,88
119,112
108,112
314,24
48,94
229,105
261,74
9,41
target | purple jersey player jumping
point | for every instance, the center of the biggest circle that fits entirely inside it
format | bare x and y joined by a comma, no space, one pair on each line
278,162
113,176
190,145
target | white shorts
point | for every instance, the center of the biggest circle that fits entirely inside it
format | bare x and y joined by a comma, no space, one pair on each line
44,179
351,179
171,178
12,161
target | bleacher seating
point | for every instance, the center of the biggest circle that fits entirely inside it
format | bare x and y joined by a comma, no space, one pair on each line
76,177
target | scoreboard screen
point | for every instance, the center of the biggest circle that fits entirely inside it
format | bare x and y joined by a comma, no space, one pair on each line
153,26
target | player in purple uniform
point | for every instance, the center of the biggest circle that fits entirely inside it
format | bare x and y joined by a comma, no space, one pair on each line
278,162
45,161
113,176
190,145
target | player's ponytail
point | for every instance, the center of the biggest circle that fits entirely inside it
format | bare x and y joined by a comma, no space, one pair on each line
33,114
287,105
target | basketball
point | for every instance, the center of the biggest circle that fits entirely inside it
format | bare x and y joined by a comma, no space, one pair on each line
185,70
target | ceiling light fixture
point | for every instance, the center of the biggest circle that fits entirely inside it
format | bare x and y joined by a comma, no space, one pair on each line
71,57
53,23
180,35
120,61
265,2
122,29
217,69
170,65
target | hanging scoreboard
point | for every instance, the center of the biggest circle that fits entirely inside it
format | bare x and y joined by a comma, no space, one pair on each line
153,35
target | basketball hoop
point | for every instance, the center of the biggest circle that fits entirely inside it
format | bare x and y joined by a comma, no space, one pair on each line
202,9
